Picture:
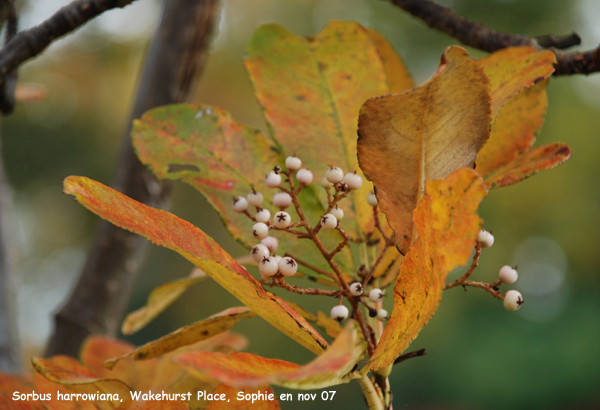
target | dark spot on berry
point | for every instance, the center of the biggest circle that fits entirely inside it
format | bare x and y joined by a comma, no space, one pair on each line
372,313
277,169
520,301
281,217
291,262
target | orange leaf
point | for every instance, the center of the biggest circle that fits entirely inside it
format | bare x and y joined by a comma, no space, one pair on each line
165,229
248,370
160,298
447,222
311,91
154,405
187,335
529,163
425,133
512,69
514,130
261,403
67,372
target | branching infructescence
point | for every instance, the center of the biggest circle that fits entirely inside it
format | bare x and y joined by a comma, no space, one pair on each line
272,267
507,275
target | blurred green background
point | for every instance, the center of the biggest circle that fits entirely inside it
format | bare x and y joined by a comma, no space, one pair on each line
480,356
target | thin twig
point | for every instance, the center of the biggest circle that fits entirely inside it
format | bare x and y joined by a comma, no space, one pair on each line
480,37
311,267
280,282
488,287
410,355
342,244
460,281
30,43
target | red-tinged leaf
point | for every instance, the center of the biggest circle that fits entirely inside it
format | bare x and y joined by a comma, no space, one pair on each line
512,69
67,372
160,298
529,163
165,229
187,335
97,349
514,130
7,402
247,370
204,147
426,133
233,402
447,222
155,405
311,91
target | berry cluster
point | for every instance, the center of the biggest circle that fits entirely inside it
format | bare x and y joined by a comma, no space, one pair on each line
274,269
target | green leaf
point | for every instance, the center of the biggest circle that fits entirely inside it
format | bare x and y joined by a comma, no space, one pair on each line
204,147
165,229
311,90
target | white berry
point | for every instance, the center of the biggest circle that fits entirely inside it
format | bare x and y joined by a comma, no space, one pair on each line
376,295
259,252
372,200
353,181
288,266
329,222
334,175
263,215
339,313
485,238
513,300
282,200
273,180
337,212
356,289
260,230
508,274
382,314
304,176
255,198
271,243
325,183
268,266
277,259
239,204
293,163
282,220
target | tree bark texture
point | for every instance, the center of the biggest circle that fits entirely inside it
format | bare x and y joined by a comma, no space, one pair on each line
97,304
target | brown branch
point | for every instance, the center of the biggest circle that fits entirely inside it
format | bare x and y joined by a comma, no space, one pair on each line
460,281
480,37
97,303
410,355
30,43
488,287
280,282
7,88
560,42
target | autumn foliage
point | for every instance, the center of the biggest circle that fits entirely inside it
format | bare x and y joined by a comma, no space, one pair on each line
343,97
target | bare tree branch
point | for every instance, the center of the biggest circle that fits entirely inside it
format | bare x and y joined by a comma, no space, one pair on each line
30,43
480,37
99,299
7,88
10,348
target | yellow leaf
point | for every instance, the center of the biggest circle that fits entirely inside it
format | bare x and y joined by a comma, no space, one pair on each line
447,222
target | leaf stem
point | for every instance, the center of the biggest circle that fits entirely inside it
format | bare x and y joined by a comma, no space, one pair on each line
374,402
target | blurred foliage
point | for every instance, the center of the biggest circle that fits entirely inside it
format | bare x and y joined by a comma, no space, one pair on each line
479,356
